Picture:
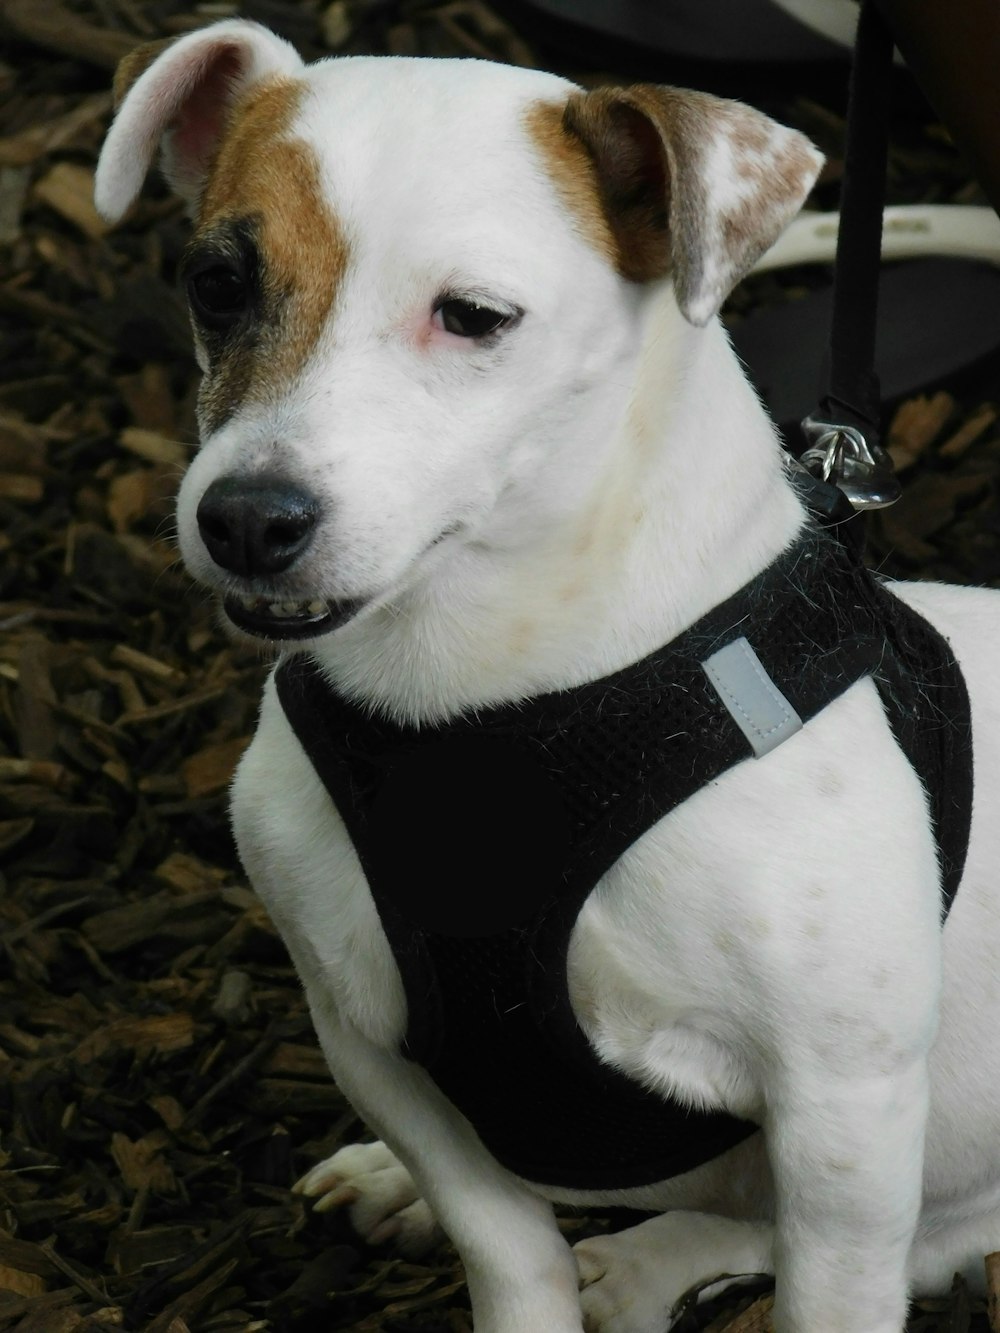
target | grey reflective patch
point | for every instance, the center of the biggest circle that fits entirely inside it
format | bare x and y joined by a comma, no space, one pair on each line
755,703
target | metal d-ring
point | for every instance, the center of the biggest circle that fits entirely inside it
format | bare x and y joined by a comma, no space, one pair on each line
842,456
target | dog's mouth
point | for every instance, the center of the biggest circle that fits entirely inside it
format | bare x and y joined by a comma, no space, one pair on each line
280,619
272,619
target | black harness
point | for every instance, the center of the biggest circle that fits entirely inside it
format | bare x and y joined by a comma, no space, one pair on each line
482,837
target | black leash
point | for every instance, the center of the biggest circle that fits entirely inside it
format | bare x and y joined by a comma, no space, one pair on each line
842,435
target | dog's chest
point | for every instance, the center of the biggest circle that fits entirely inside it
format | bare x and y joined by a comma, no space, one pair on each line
307,869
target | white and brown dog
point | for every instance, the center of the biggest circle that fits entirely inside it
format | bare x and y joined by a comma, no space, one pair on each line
471,431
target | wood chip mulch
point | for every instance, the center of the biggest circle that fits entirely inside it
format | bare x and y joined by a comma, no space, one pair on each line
160,1087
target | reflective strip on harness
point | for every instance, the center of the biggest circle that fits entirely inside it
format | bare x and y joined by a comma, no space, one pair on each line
751,697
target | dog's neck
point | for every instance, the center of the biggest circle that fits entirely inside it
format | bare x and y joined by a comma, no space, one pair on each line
691,502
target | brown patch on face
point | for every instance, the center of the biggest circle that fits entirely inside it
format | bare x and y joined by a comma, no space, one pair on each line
267,185
573,171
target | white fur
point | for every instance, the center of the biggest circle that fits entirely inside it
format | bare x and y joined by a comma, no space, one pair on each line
604,475
146,118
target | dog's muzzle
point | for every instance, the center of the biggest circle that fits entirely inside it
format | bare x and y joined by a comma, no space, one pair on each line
256,528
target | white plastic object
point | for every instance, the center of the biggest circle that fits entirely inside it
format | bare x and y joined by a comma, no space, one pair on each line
909,231
835,19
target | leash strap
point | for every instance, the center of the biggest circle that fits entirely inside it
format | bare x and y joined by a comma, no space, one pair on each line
853,397
843,435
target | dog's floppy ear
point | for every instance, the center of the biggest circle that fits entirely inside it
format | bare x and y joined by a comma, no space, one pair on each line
178,94
691,185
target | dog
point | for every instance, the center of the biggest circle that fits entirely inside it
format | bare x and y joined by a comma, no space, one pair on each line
472,434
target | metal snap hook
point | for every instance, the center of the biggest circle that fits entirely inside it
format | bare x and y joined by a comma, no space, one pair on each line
842,456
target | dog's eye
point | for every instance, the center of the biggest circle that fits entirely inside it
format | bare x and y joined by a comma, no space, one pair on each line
470,320
219,294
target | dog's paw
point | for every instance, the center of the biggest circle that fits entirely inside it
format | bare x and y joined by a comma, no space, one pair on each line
379,1194
633,1281
618,1293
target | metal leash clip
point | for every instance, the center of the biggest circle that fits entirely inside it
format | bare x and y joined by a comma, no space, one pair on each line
843,457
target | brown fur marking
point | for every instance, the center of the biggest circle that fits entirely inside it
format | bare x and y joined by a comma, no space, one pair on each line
609,153
780,178
625,140
643,148
263,176
573,173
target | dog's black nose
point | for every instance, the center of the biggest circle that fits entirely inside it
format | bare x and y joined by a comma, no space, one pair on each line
256,525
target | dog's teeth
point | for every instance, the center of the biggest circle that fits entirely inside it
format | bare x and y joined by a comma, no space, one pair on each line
284,610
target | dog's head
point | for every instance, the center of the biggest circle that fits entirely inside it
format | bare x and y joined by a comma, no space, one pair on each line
419,290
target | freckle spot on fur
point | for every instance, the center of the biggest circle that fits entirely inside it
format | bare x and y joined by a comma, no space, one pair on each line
750,140
813,930
785,171
816,890
522,635
831,784
757,927
266,177
840,1166
725,942
585,542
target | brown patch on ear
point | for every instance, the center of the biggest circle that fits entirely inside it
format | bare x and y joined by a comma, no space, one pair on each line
630,163
269,181
631,140
690,185
573,173
134,65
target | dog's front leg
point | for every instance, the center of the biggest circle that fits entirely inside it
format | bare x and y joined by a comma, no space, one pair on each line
847,1157
520,1272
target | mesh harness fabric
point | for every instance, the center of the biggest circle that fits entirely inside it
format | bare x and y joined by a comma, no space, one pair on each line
482,837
